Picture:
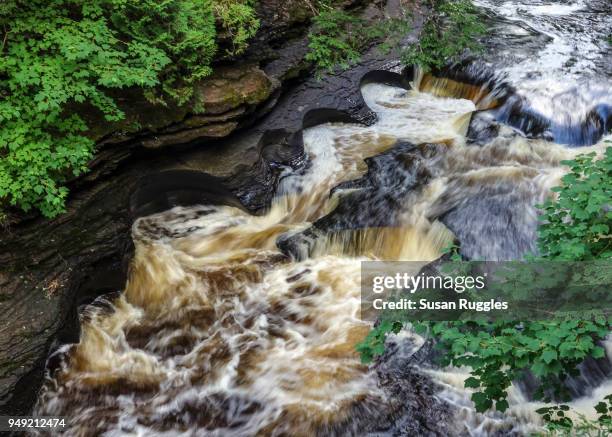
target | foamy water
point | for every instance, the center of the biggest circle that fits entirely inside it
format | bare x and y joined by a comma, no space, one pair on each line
218,333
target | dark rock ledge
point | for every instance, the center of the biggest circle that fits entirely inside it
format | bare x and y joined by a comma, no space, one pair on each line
48,268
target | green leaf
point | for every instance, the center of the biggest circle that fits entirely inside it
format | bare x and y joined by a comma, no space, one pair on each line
481,401
539,368
472,382
549,355
601,408
501,405
598,352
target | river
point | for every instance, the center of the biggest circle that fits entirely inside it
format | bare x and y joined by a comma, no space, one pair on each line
218,333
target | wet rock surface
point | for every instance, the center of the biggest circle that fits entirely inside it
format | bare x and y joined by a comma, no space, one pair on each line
231,98
374,200
483,128
419,411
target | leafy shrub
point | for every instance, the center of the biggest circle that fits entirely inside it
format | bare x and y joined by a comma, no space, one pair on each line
374,344
559,423
238,19
57,56
338,37
500,352
576,226
451,28
556,416
183,31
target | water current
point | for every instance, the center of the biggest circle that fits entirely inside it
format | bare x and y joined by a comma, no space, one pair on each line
218,333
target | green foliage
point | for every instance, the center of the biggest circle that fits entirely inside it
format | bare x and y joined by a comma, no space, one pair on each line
604,409
576,226
556,417
239,21
451,28
559,422
374,344
58,57
338,37
500,352
183,31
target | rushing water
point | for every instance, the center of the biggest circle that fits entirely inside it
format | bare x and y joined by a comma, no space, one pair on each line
556,53
218,333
